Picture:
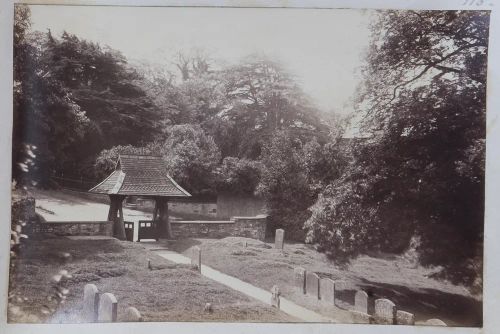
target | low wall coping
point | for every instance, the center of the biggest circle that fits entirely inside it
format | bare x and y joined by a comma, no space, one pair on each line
77,222
202,222
252,217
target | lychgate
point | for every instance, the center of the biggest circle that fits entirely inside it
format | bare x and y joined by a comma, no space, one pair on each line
145,176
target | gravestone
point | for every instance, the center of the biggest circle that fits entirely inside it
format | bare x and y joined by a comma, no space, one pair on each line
275,297
196,257
385,312
435,322
343,295
405,318
108,308
312,284
132,315
361,318
90,303
361,302
299,275
327,290
279,238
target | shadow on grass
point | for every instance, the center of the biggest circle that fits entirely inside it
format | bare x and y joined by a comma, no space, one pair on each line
50,249
453,309
181,245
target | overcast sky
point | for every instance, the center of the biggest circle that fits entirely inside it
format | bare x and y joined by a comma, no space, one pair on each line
323,48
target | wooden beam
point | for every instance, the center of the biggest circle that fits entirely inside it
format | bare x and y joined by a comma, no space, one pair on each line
116,215
164,228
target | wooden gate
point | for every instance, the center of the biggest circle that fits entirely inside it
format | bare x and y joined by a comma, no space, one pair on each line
129,230
148,229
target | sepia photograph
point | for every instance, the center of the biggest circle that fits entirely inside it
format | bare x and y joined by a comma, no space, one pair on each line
248,165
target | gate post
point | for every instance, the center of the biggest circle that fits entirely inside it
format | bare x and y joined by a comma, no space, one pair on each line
115,214
164,228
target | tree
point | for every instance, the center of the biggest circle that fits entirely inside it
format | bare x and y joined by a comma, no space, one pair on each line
73,99
198,98
238,176
284,185
192,158
105,162
104,86
47,121
264,99
421,174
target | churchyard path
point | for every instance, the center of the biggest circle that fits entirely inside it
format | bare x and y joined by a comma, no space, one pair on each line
236,284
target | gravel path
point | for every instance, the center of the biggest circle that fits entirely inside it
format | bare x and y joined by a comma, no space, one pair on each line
243,287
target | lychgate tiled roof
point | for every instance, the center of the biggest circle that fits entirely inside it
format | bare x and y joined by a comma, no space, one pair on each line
142,175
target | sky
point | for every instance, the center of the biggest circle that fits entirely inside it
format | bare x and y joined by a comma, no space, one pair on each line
322,48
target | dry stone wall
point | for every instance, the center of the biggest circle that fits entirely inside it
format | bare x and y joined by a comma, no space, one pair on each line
248,227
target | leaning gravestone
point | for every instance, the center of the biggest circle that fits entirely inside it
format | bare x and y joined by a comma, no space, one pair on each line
435,322
312,284
90,303
108,308
132,315
196,257
327,290
385,312
361,302
405,318
299,275
275,297
279,239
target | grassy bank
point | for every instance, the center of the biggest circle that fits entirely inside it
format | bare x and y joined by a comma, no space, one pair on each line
392,277
169,292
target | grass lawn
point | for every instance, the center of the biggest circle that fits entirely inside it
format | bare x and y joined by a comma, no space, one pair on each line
394,277
169,292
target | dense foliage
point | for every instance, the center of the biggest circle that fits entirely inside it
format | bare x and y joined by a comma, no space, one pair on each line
421,174
72,99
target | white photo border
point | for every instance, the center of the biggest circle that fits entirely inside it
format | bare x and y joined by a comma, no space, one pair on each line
491,292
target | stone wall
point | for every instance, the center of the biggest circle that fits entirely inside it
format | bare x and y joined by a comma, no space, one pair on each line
249,227
23,210
104,228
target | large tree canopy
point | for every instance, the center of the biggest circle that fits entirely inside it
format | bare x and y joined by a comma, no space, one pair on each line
263,99
72,98
45,112
421,174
